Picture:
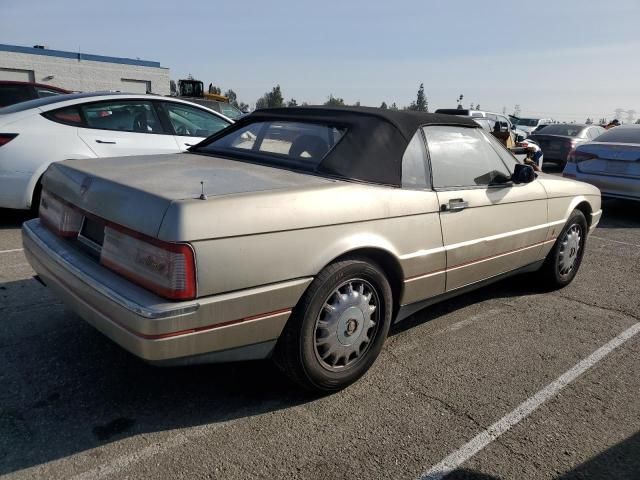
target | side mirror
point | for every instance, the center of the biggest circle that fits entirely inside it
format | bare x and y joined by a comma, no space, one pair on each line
523,174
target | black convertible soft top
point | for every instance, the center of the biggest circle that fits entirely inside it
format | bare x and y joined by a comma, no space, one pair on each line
375,141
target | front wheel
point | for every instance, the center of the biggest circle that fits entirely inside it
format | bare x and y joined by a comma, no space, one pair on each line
338,328
564,259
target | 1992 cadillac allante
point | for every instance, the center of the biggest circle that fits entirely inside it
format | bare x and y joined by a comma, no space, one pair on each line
299,234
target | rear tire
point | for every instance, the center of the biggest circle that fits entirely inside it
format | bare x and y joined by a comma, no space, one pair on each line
563,261
337,330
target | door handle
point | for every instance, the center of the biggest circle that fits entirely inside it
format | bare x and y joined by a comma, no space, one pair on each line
454,205
104,141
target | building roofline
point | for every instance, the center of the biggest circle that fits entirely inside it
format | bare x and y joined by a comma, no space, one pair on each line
78,56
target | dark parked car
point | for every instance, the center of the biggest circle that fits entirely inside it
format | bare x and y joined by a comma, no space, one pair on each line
557,140
611,163
15,92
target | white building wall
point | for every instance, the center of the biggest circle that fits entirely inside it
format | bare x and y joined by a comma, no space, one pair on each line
82,75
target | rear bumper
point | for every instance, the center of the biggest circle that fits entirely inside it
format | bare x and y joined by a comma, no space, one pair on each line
609,185
240,325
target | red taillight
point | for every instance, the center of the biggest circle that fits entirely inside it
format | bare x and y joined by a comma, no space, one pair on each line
58,216
577,156
167,269
6,138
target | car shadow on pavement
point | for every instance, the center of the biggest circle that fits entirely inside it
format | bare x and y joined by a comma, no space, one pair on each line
515,286
66,388
620,214
13,218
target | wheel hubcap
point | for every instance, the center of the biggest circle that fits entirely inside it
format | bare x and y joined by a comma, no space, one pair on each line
347,324
569,249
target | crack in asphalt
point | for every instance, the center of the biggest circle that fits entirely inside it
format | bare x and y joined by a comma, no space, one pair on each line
600,307
415,388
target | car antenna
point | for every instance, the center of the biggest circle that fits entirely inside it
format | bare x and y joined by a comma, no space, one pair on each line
202,195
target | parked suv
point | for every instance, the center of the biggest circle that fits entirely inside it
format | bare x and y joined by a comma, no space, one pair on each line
528,125
499,125
15,92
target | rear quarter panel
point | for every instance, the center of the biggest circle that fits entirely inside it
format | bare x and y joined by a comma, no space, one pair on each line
297,238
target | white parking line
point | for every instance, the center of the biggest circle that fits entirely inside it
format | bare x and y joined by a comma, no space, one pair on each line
12,250
468,450
614,241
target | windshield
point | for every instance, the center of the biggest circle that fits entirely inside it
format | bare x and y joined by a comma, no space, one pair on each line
527,122
189,88
296,144
566,130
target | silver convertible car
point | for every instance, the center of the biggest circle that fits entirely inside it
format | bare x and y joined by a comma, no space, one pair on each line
299,234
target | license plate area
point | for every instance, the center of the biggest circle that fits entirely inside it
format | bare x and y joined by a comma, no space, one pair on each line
92,234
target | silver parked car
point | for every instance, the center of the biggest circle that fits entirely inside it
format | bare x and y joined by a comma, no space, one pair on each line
611,162
300,234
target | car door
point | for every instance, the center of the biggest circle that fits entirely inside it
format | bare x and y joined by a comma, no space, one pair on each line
114,128
191,124
489,225
425,265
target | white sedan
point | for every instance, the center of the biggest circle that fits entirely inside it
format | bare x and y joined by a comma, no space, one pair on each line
35,133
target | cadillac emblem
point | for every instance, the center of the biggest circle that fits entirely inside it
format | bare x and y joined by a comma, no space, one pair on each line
84,188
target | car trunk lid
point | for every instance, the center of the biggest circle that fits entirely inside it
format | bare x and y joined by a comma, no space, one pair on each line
135,192
554,146
609,159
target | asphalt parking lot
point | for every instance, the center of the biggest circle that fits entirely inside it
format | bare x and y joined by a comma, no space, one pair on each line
74,405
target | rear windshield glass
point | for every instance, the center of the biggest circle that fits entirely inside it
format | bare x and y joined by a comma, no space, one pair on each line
527,122
568,130
301,145
620,135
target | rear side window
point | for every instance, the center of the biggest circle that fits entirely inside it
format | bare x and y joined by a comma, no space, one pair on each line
131,116
621,135
414,171
11,94
68,116
301,144
463,157
193,122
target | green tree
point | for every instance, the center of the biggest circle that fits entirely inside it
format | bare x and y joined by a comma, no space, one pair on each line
272,99
420,104
292,103
383,106
393,106
334,101
589,121
421,100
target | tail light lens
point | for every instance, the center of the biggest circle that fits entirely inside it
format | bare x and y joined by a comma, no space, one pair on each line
6,138
577,156
58,216
167,269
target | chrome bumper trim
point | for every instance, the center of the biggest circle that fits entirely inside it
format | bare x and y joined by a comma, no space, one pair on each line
64,260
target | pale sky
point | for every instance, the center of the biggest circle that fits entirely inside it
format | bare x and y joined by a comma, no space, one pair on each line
566,59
